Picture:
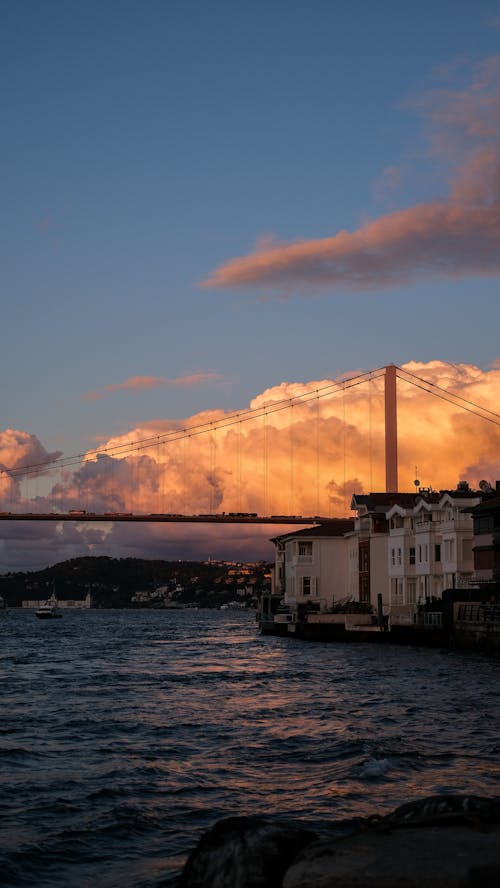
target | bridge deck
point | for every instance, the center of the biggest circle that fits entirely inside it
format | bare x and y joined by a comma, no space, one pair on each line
231,518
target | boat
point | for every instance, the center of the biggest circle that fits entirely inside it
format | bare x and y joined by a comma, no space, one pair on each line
3,605
48,610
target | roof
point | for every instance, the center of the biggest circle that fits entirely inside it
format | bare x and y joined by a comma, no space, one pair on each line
382,502
376,502
336,527
490,504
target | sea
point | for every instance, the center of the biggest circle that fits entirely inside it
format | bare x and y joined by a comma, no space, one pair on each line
126,734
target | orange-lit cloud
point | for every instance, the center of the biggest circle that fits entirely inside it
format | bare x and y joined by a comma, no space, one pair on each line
19,450
453,236
296,449
141,383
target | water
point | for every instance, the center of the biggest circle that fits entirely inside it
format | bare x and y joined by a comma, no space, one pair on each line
124,735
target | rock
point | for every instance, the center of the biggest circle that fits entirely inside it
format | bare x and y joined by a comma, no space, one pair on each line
444,841
244,852
439,856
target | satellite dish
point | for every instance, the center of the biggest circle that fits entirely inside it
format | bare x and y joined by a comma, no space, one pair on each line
485,486
416,482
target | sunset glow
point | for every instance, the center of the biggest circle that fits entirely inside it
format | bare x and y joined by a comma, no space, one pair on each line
214,216
298,449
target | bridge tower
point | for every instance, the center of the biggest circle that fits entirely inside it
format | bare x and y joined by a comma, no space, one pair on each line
391,430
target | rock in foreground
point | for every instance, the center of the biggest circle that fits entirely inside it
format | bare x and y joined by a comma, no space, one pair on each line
448,856
437,842
244,852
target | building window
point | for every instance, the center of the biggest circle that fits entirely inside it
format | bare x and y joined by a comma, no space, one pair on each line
449,550
437,552
364,558
411,592
483,524
484,559
306,586
399,556
305,551
393,557
364,589
412,554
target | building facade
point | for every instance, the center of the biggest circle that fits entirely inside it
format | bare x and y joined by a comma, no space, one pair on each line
372,534
486,550
430,548
312,566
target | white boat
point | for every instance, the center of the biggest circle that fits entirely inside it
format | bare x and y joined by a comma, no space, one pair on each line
49,609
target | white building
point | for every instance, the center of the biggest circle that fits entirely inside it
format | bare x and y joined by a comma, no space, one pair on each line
313,566
430,548
372,535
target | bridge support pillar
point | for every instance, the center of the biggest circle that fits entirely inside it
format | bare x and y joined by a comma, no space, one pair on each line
391,431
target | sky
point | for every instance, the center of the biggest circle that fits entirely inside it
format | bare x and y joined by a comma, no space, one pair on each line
209,207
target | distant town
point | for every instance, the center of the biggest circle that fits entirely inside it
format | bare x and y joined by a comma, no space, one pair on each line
105,582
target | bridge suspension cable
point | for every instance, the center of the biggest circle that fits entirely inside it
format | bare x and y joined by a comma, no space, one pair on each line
129,447
331,389
445,395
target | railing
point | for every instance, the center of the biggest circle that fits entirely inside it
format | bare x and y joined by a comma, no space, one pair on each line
478,613
401,619
429,618
471,581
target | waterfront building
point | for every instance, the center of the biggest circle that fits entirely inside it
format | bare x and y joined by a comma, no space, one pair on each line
312,568
372,535
486,547
68,603
399,553
430,548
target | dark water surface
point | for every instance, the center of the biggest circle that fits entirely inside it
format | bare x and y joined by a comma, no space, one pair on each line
124,735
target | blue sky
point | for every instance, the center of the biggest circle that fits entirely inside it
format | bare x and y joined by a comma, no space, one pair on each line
147,144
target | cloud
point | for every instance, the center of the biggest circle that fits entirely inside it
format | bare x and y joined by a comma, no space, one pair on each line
18,450
298,448
389,180
195,379
141,383
453,236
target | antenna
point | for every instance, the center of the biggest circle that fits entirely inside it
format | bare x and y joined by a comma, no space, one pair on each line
416,481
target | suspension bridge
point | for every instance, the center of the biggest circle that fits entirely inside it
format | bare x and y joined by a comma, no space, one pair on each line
281,461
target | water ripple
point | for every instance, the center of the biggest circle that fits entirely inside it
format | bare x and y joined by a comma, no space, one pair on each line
126,734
